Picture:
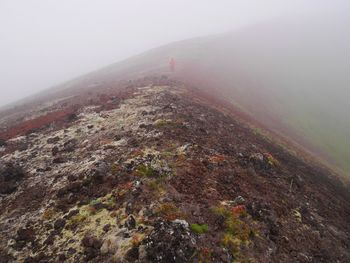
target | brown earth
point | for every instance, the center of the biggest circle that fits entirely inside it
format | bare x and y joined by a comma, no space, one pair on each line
158,155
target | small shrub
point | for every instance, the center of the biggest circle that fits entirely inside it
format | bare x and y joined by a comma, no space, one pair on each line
231,242
157,186
77,219
110,203
221,211
170,211
146,170
123,190
94,202
94,206
114,169
199,229
204,255
239,210
237,232
162,123
271,160
216,159
136,240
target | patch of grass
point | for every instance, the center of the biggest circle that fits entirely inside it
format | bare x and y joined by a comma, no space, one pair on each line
170,149
271,160
166,123
124,189
199,229
94,202
167,154
110,202
114,169
157,186
232,243
170,211
146,171
94,206
237,232
106,202
76,220
162,123
221,211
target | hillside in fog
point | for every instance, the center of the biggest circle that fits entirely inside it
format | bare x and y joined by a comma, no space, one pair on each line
225,148
290,75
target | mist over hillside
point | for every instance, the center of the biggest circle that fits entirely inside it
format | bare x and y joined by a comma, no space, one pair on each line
292,73
289,74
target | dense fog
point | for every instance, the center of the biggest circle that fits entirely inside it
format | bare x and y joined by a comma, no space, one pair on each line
44,43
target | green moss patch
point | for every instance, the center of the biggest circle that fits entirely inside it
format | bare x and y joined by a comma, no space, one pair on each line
199,228
146,171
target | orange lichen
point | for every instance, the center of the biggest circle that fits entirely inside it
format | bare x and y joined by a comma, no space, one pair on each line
239,209
216,159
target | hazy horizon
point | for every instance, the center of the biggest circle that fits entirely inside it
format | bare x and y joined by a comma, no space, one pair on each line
45,43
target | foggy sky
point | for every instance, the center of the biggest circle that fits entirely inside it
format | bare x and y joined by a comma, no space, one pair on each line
46,42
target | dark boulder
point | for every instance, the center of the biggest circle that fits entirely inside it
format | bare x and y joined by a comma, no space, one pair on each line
91,246
71,117
59,160
25,234
59,224
2,143
53,140
54,151
169,242
130,222
70,145
10,176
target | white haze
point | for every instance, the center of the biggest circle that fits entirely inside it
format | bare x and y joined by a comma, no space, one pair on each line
46,42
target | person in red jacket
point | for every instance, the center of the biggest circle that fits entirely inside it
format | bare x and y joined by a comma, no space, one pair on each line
172,64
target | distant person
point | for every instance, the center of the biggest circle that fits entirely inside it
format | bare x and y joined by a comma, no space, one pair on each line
172,64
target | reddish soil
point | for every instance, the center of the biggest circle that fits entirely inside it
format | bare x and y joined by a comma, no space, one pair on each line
35,124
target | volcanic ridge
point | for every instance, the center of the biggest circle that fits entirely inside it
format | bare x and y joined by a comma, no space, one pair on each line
155,171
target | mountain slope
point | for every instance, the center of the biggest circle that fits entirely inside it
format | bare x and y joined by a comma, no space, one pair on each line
155,171
290,76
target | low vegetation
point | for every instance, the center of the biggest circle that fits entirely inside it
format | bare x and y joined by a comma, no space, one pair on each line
237,232
146,170
199,228
170,211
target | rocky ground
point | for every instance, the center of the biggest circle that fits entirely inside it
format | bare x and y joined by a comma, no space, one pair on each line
154,175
